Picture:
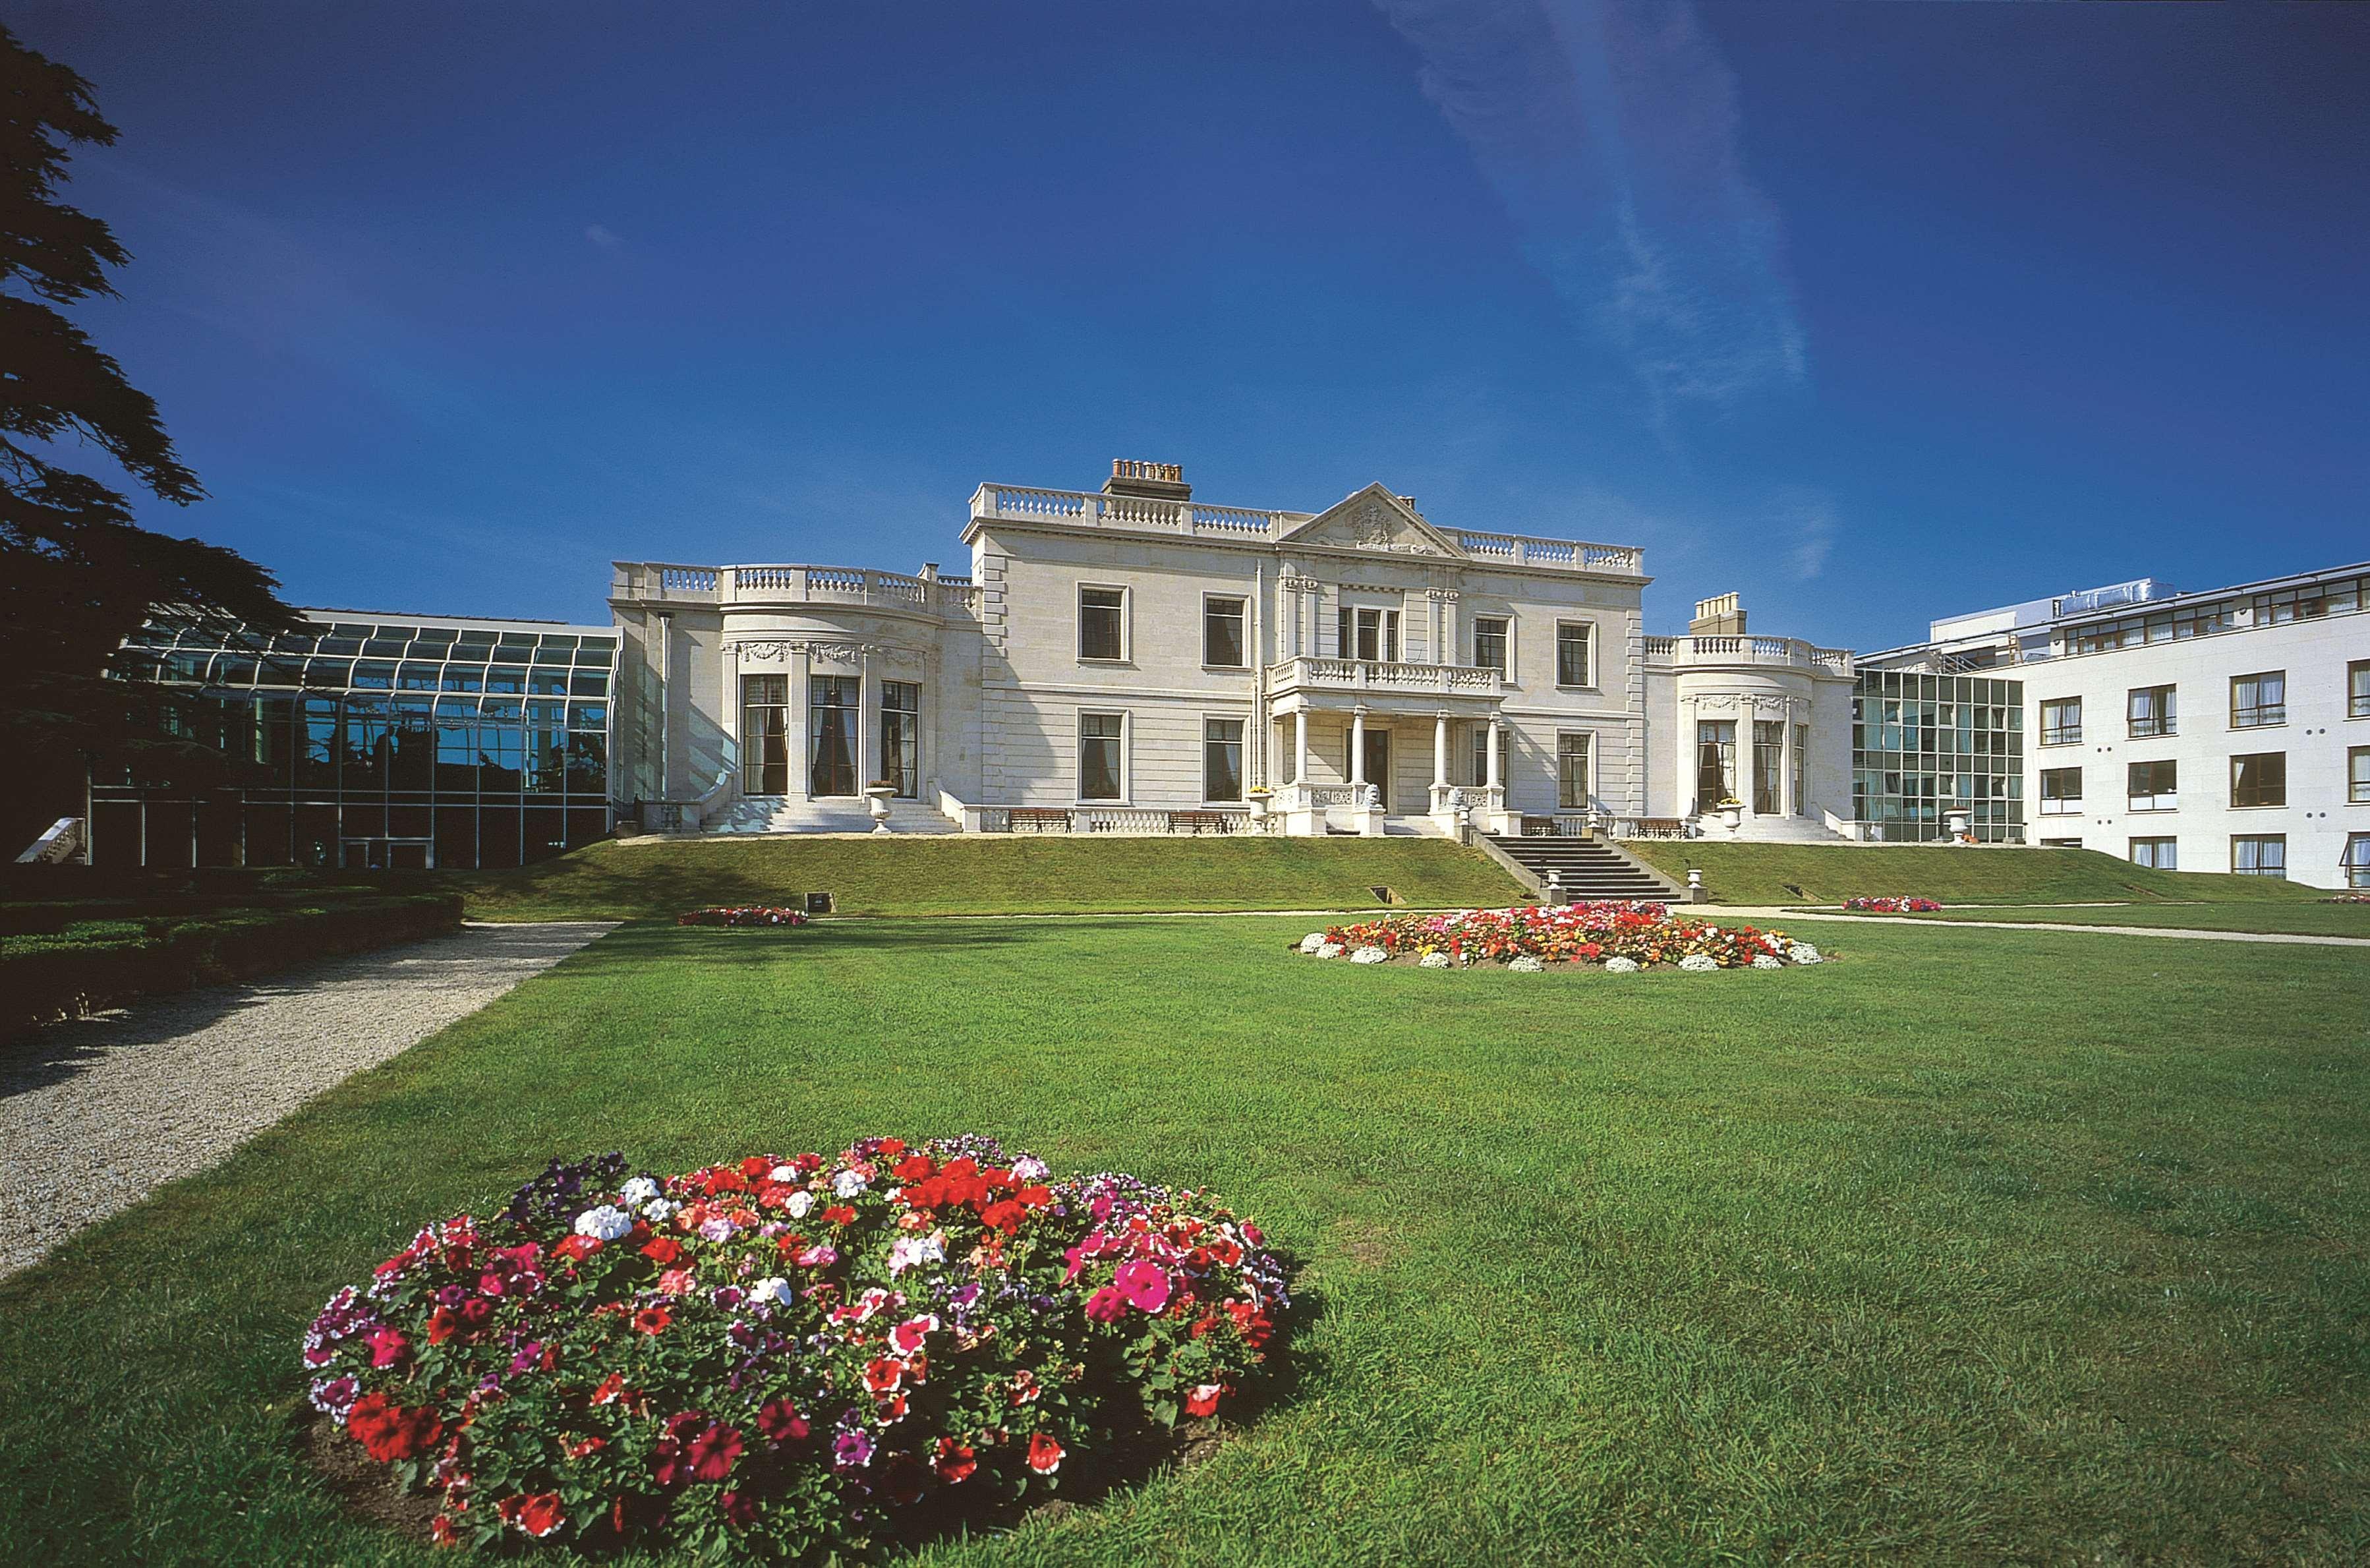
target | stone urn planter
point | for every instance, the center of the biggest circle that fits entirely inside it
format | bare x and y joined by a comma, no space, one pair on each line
1732,814
876,802
1956,823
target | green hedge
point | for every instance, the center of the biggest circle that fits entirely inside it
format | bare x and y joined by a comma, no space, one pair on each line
85,964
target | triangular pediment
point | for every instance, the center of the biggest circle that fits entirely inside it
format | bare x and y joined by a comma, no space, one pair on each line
1373,519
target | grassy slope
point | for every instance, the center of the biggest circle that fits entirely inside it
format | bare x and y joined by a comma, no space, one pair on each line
986,875
1732,1267
2299,918
1818,873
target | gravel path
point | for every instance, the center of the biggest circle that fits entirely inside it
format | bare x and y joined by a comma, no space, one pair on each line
95,1114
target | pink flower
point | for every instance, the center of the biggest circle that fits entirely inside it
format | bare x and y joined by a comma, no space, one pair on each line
907,1337
387,1346
1145,1283
1106,1306
675,1282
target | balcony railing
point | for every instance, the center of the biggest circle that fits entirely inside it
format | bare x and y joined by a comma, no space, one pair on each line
1790,652
1385,678
752,585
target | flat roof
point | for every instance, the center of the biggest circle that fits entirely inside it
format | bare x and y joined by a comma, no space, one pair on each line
412,618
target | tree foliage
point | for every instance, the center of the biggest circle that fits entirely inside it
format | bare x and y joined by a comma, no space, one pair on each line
77,573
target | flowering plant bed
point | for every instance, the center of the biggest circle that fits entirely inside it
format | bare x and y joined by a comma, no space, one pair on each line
753,914
783,1358
1621,937
1892,905
2349,898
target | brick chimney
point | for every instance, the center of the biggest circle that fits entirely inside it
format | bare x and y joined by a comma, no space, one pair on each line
1723,617
1154,481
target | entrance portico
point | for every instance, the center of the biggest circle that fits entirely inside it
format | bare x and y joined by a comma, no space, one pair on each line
1377,717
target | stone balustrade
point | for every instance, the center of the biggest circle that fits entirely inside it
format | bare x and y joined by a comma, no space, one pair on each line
1786,652
752,586
1351,676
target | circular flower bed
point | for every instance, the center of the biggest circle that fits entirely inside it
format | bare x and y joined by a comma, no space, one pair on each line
1624,937
783,1357
1892,905
753,914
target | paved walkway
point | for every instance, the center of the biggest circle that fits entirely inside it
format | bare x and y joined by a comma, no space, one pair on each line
96,1113
1722,911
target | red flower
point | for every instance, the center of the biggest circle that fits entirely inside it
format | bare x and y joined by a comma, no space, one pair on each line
893,1147
387,1346
1034,1196
664,1250
443,1532
576,1248
577,1448
442,1324
955,1462
611,1387
1045,1454
1203,1400
914,1168
756,1165
780,1422
537,1515
839,1213
1003,1216
652,1319
739,1511
713,1452
390,1432
882,1374
1106,1306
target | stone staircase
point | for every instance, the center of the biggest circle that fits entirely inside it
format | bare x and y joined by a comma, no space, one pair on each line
1585,869
779,814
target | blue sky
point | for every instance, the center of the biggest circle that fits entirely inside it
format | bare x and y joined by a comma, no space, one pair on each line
1875,312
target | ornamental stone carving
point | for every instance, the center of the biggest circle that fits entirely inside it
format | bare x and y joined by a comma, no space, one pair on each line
773,651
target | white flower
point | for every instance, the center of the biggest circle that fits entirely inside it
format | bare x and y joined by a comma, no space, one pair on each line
1029,1167
908,1251
1767,961
847,1184
799,1204
658,1211
641,1190
773,1287
1329,949
1312,941
1698,962
603,1224
782,1173
1803,953
1369,955
1618,965
1524,964
1436,959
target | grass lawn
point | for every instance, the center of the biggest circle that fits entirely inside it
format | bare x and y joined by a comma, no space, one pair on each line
1974,1246
1829,873
985,874
2299,918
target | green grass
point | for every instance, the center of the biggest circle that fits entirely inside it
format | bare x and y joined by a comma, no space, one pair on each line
2298,918
1821,873
1976,1246
993,875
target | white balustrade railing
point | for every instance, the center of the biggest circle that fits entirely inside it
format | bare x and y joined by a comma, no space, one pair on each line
1791,653
1021,503
1371,675
794,584
1527,549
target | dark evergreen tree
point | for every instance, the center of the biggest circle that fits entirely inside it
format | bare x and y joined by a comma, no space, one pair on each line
78,574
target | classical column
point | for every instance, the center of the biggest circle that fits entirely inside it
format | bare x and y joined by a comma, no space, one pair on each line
867,722
1358,743
798,719
1300,745
1491,760
1440,750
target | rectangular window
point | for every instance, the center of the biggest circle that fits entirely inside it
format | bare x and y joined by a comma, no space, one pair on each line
1221,633
2061,791
1490,638
2357,859
2159,853
2256,701
1222,759
764,734
1769,760
2260,855
2357,689
2154,787
1102,623
1481,754
901,737
1369,634
1715,763
1099,759
1571,772
2357,775
831,729
2153,711
2060,721
2260,779
2061,844
1571,653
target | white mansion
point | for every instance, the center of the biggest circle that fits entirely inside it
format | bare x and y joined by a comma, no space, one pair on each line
1134,660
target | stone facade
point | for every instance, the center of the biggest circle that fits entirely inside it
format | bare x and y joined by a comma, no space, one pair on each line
1145,662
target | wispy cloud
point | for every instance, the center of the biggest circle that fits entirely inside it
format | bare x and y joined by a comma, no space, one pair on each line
603,235
1807,525
1609,129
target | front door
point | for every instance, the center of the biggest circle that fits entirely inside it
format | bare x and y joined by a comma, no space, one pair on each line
1378,764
